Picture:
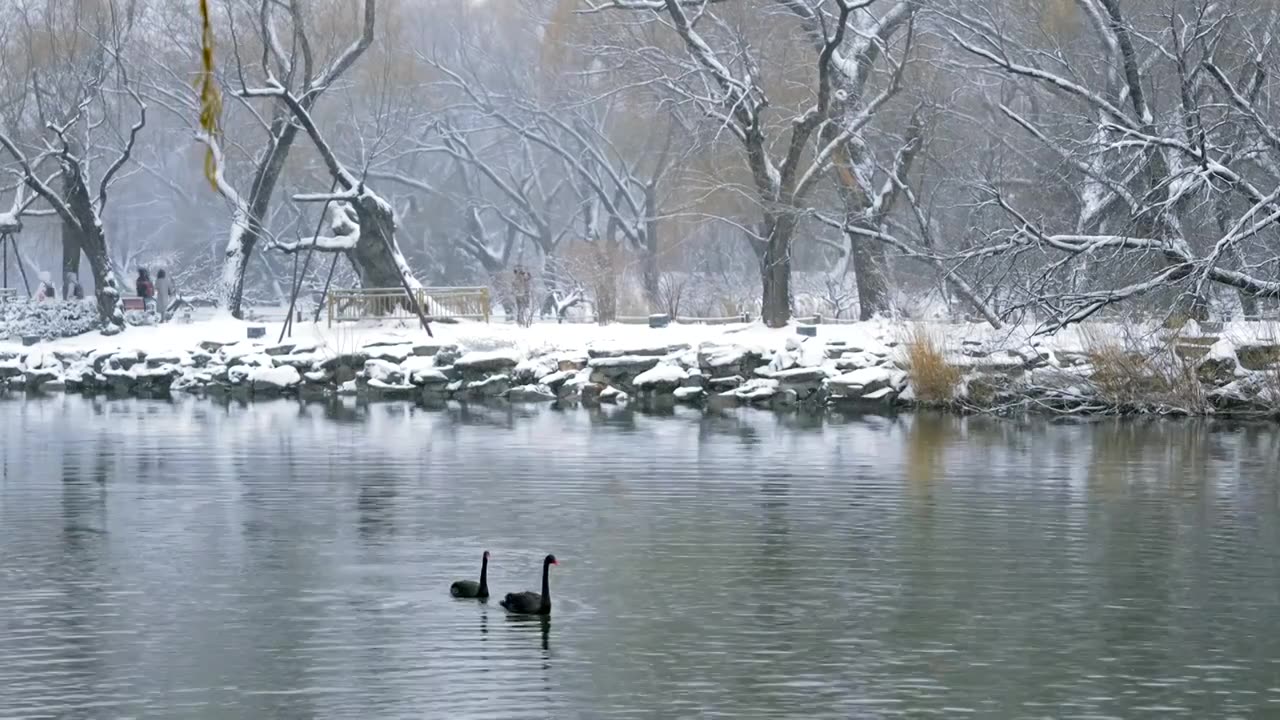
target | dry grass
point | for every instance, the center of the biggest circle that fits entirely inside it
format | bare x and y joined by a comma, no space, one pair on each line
933,377
1132,375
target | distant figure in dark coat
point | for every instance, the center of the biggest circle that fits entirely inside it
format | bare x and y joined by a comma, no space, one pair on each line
145,289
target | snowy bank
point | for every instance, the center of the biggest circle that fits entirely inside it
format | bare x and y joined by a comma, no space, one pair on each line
865,366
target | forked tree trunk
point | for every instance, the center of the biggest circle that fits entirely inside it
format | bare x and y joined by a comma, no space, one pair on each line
91,238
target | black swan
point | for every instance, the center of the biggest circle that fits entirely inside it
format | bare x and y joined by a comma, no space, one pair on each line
532,603
471,588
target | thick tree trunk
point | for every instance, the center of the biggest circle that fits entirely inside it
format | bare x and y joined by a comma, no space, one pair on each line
91,238
775,272
871,273
377,258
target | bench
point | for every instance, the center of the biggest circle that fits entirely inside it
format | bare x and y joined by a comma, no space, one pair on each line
134,303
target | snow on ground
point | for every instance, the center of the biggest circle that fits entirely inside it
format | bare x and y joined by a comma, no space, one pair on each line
551,337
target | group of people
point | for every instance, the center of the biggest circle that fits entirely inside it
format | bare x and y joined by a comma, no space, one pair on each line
70,288
156,296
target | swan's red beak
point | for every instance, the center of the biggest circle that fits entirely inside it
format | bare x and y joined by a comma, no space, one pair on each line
555,562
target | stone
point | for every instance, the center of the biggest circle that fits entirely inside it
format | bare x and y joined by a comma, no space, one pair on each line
645,350
689,394
156,360
590,392
1258,356
492,361
1218,366
390,353
724,384
530,394
383,371
255,332
659,320
757,390
533,370
299,361
807,330
862,382
447,355
660,379
556,379
490,387
281,349
349,361
613,395
571,362
621,369
388,391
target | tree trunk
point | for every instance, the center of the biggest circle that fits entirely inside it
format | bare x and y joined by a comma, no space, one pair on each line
652,273
246,230
775,272
870,271
91,238
377,258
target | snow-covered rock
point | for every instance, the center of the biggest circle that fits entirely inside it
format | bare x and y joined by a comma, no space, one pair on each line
1219,365
613,395
662,378
383,371
490,361
860,383
530,394
615,350
621,369
390,353
490,387
689,394
533,370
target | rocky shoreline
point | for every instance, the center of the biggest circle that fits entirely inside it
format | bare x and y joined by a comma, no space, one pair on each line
804,373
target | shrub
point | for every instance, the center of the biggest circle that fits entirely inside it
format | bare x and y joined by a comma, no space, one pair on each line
933,377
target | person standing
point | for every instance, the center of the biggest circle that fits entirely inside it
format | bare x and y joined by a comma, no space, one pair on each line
46,290
164,293
524,291
145,289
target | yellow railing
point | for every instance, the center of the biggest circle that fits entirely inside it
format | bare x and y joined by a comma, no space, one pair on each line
469,303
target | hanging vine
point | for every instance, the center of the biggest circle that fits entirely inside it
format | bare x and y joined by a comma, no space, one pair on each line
210,98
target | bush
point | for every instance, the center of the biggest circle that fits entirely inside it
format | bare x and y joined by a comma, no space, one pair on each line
48,320
933,377
1132,375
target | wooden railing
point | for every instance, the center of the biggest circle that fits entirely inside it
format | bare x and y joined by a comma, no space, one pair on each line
470,303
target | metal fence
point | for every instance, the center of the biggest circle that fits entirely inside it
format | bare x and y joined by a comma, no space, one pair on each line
464,303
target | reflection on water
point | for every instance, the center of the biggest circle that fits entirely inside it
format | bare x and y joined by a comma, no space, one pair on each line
293,561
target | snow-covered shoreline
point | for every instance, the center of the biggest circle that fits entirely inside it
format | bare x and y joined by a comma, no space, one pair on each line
861,365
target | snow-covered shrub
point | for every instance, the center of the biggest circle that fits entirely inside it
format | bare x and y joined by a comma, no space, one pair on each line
50,319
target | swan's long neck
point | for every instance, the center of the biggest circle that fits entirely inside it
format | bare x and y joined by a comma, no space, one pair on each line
484,574
546,584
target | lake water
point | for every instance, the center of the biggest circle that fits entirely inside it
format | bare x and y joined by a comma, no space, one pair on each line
200,560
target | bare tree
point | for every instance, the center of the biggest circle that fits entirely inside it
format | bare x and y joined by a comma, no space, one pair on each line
726,85
1173,194
75,104
293,67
